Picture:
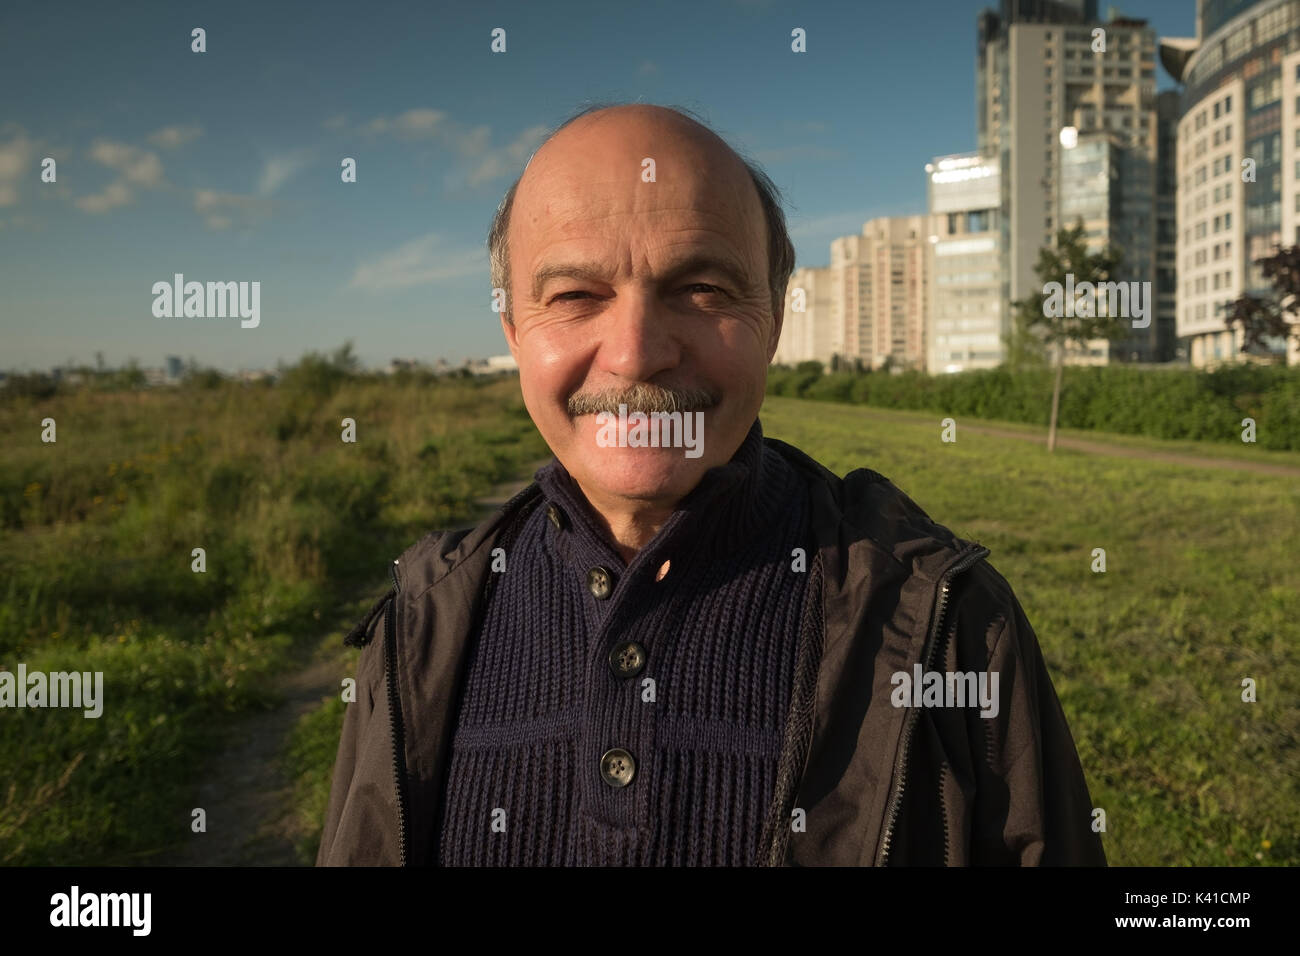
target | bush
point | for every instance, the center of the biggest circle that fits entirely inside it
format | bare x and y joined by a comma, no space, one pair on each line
1159,403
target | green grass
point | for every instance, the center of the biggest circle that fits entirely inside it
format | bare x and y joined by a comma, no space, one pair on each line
96,536
1201,589
96,532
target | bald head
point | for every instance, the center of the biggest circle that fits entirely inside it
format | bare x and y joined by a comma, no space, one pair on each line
599,143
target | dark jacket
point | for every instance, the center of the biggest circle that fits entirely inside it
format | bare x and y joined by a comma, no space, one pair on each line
877,784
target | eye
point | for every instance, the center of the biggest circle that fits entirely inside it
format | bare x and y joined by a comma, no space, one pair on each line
706,286
574,292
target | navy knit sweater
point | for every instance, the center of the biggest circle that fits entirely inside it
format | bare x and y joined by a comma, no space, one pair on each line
609,718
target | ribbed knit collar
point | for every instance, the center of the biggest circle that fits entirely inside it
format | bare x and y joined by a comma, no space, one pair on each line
729,504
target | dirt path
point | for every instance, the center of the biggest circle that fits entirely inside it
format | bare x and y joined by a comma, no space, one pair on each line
1124,451
1105,448
246,793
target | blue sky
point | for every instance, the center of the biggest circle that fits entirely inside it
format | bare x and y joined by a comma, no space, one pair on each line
225,165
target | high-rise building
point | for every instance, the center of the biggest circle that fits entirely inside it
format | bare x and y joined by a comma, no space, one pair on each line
1168,347
1109,187
880,292
810,332
1238,163
965,316
1046,73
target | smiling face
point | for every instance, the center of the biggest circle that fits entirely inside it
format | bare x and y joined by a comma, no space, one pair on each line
621,289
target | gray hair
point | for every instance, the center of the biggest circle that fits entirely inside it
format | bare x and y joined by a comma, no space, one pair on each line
780,251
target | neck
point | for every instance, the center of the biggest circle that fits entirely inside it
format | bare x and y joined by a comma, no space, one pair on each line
630,525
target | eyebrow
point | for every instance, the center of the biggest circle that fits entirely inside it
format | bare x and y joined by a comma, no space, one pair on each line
699,262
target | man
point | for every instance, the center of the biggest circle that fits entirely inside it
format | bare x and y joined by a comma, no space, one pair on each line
697,651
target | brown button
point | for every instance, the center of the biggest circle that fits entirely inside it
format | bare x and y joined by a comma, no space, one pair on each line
600,583
663,570
626,659
617,768
553,514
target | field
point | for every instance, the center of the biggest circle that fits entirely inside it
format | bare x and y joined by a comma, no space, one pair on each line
1201,590
297,526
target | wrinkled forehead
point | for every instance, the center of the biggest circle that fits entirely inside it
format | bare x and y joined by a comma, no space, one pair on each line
605,183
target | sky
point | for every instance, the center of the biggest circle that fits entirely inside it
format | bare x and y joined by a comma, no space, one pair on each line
225,165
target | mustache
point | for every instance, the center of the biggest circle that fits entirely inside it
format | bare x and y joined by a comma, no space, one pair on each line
642,398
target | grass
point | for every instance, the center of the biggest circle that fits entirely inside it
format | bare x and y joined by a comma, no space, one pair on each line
97,539
1201,590
97,532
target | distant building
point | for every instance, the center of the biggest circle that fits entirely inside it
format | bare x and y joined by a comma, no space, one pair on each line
1110,187
492,365
965,312
1240,102
810,334
174,367
880,292
1046,73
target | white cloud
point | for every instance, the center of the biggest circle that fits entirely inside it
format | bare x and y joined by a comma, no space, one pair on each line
136,165
421,261
278,170
510,159
17,159
220,209
473,144
413,124
115,194
171,137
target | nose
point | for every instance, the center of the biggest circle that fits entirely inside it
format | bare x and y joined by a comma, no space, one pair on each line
638,338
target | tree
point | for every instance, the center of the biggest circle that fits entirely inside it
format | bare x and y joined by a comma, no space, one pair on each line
1065,317
1265,317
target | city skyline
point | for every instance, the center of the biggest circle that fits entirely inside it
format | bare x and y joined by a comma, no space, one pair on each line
229,170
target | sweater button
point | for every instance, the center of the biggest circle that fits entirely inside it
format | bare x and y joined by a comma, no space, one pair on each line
626,659
617,767
600,583
554,516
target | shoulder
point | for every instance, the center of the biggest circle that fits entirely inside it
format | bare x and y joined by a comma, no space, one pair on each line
866,506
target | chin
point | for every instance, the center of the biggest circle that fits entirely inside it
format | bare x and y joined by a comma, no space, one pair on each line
640,472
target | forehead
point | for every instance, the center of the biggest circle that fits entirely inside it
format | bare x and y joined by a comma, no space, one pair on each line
590,183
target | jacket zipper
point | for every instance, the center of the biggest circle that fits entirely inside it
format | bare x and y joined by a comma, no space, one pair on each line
927,655
395,715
